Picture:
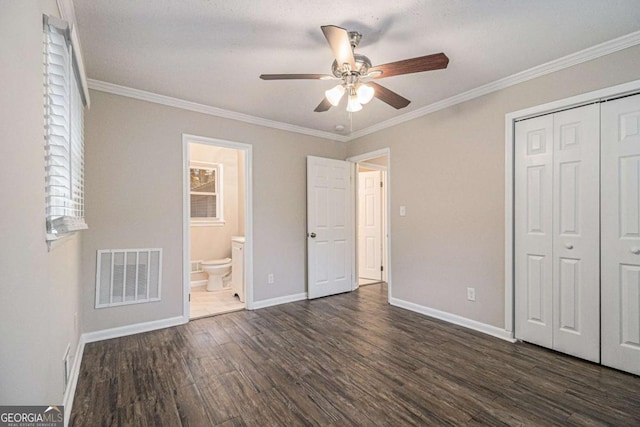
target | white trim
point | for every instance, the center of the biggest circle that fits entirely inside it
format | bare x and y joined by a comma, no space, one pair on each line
136,328
280,300
197,283
510,119
372,166
218,220
67,12
248,216
387,195
588,54
207,109
370,155
576,58
353,195
454,318
67,400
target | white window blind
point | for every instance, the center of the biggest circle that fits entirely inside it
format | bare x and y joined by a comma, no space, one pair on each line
206,193
64,128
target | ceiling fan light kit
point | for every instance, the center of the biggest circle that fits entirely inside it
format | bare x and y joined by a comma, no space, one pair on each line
356,72
365,93
334,95
353,105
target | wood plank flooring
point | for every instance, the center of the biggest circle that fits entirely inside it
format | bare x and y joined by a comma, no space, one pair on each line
344,360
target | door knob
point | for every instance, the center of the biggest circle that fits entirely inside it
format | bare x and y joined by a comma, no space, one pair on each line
312,235
568,245
635,251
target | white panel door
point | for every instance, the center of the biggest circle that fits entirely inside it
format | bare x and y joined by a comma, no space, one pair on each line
534,230
620,151
576,232
329,226
369,225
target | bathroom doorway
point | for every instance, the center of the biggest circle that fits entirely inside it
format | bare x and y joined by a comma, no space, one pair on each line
217,212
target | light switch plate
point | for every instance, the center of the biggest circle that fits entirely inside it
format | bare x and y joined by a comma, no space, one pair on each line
403,211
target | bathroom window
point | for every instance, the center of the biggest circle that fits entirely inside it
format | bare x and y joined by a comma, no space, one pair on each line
206,193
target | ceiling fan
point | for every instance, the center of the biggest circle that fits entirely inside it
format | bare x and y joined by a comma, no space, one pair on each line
357,73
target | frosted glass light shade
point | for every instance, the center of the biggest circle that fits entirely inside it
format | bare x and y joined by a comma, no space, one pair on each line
365,93
334,95
353,105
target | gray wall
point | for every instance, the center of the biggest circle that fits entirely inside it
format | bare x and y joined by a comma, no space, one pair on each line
448,169
40,289
134,197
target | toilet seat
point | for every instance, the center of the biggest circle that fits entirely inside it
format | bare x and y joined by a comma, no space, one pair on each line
213,262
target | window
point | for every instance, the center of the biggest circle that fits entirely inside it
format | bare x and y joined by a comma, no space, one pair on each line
64,142
206,193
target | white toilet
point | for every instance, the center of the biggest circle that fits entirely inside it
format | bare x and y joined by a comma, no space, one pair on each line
217,269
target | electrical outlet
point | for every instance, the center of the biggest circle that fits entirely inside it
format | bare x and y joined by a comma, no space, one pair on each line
403,210
270,278
471,294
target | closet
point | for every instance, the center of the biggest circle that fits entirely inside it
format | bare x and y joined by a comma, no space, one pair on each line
577,232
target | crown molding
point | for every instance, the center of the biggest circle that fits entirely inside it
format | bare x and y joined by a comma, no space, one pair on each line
207,109
585,55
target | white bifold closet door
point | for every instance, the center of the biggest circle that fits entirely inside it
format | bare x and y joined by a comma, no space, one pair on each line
557,291
621,234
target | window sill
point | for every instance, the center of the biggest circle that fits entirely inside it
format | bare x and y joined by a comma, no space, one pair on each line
64,227
54,240
207,223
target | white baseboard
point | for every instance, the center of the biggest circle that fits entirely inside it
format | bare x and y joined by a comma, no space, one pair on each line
106,334
197,283
277,301
67,400
137,328
454,318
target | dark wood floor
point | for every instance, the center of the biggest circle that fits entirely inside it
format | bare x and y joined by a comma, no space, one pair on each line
350,359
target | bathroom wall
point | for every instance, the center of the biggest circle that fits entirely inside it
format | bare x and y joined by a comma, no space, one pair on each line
214,241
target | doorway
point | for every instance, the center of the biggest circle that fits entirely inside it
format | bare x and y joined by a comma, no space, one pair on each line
372,217
217,230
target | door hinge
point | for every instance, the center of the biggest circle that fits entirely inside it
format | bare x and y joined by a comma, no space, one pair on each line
189,297
380,184
381,268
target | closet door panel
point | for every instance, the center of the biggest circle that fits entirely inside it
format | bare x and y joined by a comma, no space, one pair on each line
534,230
620,154
576,232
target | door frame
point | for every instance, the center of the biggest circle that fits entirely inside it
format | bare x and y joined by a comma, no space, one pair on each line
248,216
509,212
383,214
386,238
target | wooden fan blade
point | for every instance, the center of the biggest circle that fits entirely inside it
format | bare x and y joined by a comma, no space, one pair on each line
323,106
295,76
436,61
389,96
338,39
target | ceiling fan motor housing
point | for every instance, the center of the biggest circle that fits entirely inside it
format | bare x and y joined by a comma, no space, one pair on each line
362,67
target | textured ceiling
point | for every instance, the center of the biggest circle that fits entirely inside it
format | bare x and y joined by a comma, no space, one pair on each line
212,51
